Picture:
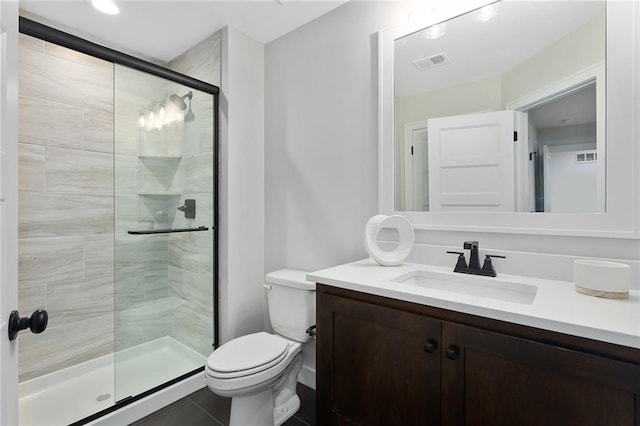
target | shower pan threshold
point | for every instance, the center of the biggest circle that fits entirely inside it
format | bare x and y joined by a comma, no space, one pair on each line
76,392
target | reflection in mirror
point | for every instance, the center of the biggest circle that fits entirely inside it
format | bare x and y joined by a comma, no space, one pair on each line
503,109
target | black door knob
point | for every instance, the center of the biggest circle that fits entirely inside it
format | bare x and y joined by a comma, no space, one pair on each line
37,322
451,352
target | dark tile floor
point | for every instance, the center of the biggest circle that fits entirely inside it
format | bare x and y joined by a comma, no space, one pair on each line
204,408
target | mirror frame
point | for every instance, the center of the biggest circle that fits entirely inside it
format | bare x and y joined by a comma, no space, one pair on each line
622,216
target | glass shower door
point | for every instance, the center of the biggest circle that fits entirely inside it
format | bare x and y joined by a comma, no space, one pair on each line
164,239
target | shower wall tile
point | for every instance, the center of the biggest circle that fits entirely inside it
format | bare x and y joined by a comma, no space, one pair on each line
28,42
127,134
73,301
156,282
30,167
80,172
65,346
43,76
196,289
201,61
126,210
50,215
127,176
192,251
161,209
161,175
191,255
31,297
54,78
140,324
199,172
69,261
65,205
167,141
98,255
129,290
42,260
98,131
194,329
56,50
50,123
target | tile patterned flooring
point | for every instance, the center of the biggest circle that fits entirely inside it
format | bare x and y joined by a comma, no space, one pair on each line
204,408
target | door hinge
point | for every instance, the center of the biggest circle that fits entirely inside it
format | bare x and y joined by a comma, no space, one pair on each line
411,149
515,136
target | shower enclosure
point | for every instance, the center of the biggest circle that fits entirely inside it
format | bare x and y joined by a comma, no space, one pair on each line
117,235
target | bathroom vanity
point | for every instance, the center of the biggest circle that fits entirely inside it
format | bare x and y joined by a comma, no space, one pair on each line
393,350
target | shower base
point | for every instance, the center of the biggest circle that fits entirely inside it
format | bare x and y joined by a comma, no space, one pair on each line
71,394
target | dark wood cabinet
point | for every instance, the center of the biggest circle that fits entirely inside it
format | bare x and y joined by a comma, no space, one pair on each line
387,362
380,366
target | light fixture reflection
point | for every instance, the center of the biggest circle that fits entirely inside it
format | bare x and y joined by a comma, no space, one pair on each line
487,12
106,6
434,31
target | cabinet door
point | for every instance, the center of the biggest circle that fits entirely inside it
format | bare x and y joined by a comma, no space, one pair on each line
373,367
494,379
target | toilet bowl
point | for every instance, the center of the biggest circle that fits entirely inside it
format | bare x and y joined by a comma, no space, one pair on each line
259,371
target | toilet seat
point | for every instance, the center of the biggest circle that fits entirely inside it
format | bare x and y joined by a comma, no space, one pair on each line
247,355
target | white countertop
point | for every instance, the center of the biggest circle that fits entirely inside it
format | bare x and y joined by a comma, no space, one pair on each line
556,307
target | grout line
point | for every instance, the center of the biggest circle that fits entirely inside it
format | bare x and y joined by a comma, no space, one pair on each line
205,411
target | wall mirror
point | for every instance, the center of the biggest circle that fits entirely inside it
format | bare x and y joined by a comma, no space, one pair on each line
510,117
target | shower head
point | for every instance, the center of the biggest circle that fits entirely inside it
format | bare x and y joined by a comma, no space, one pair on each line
179,100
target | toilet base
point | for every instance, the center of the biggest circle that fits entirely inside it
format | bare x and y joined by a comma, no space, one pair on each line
260,412
285,411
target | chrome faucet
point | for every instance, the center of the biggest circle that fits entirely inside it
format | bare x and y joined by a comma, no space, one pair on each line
473,267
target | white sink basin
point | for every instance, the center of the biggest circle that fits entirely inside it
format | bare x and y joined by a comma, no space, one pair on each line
487,287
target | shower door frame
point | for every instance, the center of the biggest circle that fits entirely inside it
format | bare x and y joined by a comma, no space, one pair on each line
53,35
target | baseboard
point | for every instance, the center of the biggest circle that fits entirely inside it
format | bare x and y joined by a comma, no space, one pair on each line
307,377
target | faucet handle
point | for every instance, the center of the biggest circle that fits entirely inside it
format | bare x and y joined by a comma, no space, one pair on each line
487,267
461,264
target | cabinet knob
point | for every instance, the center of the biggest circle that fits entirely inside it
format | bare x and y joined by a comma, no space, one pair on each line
451,352
430,346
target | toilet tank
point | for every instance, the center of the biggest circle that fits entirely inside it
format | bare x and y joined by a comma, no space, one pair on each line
292,303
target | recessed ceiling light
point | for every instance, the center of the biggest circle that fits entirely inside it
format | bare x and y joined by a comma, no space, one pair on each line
106,6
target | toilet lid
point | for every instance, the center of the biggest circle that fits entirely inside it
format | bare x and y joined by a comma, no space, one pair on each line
248,353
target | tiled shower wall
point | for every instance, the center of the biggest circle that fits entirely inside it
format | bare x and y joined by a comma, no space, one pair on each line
191,271
67,209
65,205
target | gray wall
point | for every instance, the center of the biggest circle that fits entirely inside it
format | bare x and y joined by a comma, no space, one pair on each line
321,138
321,156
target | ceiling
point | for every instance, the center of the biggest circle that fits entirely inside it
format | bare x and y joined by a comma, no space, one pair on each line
164,29
578,107
479,50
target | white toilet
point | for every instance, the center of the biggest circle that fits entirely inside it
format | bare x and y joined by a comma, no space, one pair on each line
260,371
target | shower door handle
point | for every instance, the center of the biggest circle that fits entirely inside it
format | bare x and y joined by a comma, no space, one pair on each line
37,322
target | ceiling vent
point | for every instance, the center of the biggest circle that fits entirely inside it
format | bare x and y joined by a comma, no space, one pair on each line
431,61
